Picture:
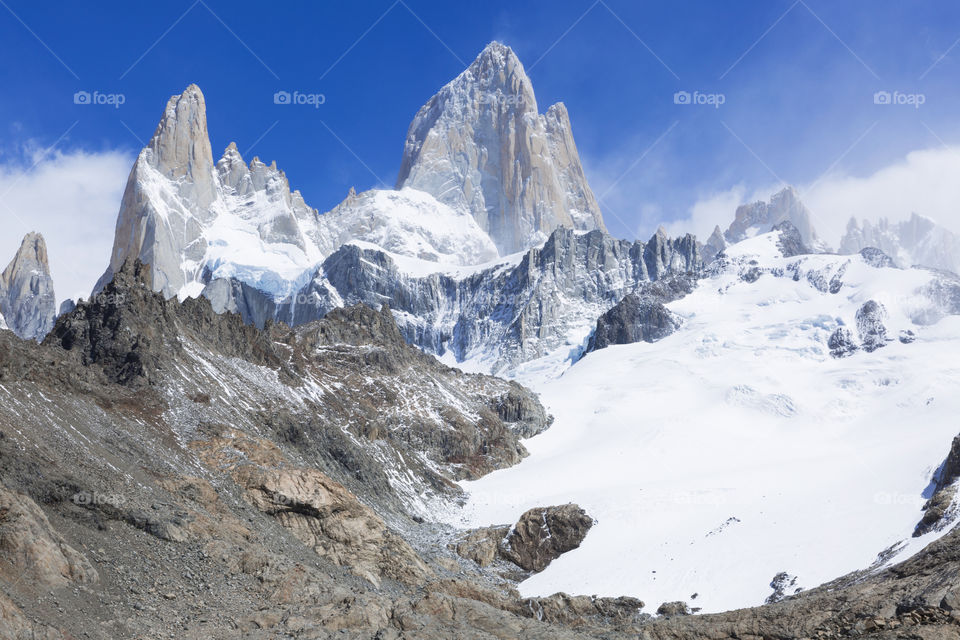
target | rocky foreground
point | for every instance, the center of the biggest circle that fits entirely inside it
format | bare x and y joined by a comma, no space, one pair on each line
173,473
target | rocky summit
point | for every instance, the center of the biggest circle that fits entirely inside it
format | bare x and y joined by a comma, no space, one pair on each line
481,145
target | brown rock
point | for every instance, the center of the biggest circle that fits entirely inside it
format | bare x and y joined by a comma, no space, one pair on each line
543,534
32,551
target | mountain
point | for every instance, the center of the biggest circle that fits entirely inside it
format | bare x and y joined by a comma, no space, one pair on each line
492,317
917,241
481,146
236,234
168,467
760,217
714,245
27,301
723,429
165,466
194,221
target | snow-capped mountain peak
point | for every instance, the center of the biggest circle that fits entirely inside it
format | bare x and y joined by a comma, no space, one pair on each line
918,240
480,145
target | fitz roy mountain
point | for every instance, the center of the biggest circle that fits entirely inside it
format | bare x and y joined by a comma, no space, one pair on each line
480,145
489,238
461,409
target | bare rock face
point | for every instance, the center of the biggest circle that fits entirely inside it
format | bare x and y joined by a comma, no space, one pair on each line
761,217
540,536
27,301
331,521
481,145
938,512
634,319
179,155
32,549
543,534
482,545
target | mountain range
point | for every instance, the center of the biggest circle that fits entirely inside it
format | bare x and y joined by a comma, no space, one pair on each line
457,407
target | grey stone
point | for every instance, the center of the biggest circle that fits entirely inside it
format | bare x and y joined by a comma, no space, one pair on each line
28,304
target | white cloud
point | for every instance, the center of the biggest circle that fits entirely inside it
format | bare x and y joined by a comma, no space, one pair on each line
72,198
925,181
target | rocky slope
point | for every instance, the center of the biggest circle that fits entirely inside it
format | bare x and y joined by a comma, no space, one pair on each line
171,472
481,145
917,241
168,470
28,305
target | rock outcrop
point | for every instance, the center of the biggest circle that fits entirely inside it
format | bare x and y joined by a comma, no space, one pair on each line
28,305
544,534
939,511
481,145
641,316
761,217
842,343
31,550
870,325
539,537
790,242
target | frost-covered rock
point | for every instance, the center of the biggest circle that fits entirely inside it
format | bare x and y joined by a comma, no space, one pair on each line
877,258
790,242
480,145
842,342
761,217
495,316
28,305
917,241
870,325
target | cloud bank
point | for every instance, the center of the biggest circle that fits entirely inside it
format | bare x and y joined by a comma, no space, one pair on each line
926,181
72,198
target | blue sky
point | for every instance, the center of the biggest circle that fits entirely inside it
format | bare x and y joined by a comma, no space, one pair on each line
797,81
